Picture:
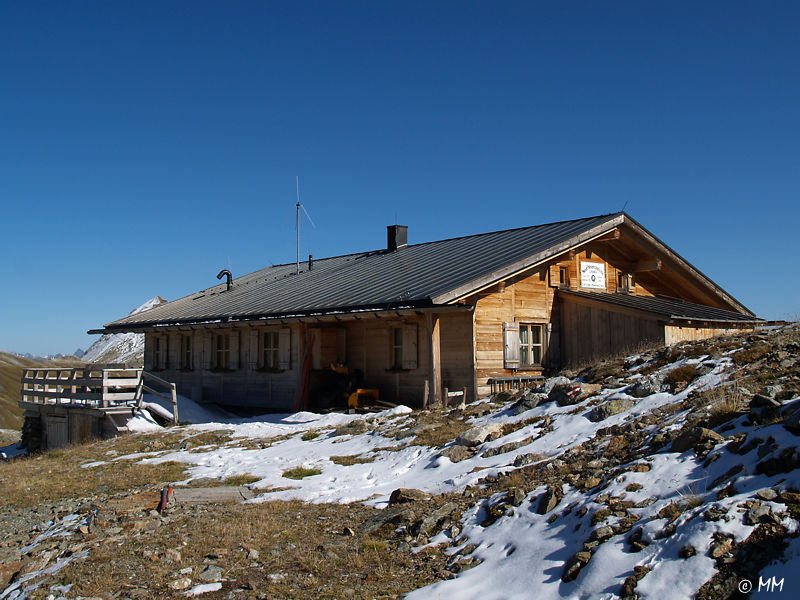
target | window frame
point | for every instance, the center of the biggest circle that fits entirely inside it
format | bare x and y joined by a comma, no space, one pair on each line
222,351
270,355
186,351
625,283
527,348
396,350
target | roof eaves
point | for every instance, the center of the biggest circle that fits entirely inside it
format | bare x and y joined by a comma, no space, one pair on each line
698,275
219,320
529,262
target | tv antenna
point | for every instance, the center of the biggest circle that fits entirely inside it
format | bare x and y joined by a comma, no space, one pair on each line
298,207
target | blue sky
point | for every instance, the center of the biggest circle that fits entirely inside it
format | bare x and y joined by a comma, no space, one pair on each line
144,146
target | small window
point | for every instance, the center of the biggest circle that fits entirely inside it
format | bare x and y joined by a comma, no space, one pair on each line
625,282
223,351
397,347
270,350
186,352
530,345
563,277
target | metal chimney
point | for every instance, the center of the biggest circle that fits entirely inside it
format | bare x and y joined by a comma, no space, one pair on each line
396,237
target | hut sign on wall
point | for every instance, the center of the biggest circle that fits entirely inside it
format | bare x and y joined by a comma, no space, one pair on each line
593,275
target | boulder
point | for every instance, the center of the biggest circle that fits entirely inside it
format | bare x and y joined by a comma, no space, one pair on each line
529,400
403,495
388,516
429,523
457,453
647,386
550,499
352,428
477,435
699,438
527,459
764,408
565,394
609,408
554,381
757,514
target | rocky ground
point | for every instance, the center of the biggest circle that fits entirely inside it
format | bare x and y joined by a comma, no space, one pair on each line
671,473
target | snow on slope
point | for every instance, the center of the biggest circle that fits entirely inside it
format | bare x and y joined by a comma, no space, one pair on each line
121,347
523,553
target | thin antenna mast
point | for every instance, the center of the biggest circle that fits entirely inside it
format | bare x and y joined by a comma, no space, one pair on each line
308,216
297,180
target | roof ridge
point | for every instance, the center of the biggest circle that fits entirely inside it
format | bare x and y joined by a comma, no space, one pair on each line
450,239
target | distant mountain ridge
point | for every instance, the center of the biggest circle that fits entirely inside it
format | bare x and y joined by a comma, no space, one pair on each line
125,348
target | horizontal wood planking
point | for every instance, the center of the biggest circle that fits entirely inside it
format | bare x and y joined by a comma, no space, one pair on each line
674,334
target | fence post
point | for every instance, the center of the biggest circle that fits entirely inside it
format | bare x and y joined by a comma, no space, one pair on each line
174,402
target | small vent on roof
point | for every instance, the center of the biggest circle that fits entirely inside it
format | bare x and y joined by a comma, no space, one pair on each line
396,237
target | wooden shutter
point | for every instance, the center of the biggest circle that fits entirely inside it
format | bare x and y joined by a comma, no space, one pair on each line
234,340
197,350
555,276
511,345
410,346
149,341
285,349
253,360
174,347
208,351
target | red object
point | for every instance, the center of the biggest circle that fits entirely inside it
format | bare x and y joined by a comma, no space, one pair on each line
166,495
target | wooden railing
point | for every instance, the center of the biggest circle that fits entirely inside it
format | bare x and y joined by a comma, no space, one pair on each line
96,386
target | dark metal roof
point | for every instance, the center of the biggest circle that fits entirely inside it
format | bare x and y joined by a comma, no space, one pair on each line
425,274
671,308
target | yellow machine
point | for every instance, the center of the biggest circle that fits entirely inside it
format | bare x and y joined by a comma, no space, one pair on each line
359,395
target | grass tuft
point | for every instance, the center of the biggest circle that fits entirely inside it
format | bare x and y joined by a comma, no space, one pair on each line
300,473
242,479
352,459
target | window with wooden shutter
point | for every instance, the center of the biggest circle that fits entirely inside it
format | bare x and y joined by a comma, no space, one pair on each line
510,346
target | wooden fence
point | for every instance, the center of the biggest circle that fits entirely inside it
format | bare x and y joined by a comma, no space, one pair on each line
96,386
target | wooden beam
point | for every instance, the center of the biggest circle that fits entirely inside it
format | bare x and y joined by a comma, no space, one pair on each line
435,355
648,265
610,236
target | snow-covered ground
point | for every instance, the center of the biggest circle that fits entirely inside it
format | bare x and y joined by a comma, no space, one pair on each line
523,553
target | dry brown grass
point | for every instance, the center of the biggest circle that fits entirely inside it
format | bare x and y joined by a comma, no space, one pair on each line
300,472
58,474
242,479
445,429
750,355
680,375
352,459
303,553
